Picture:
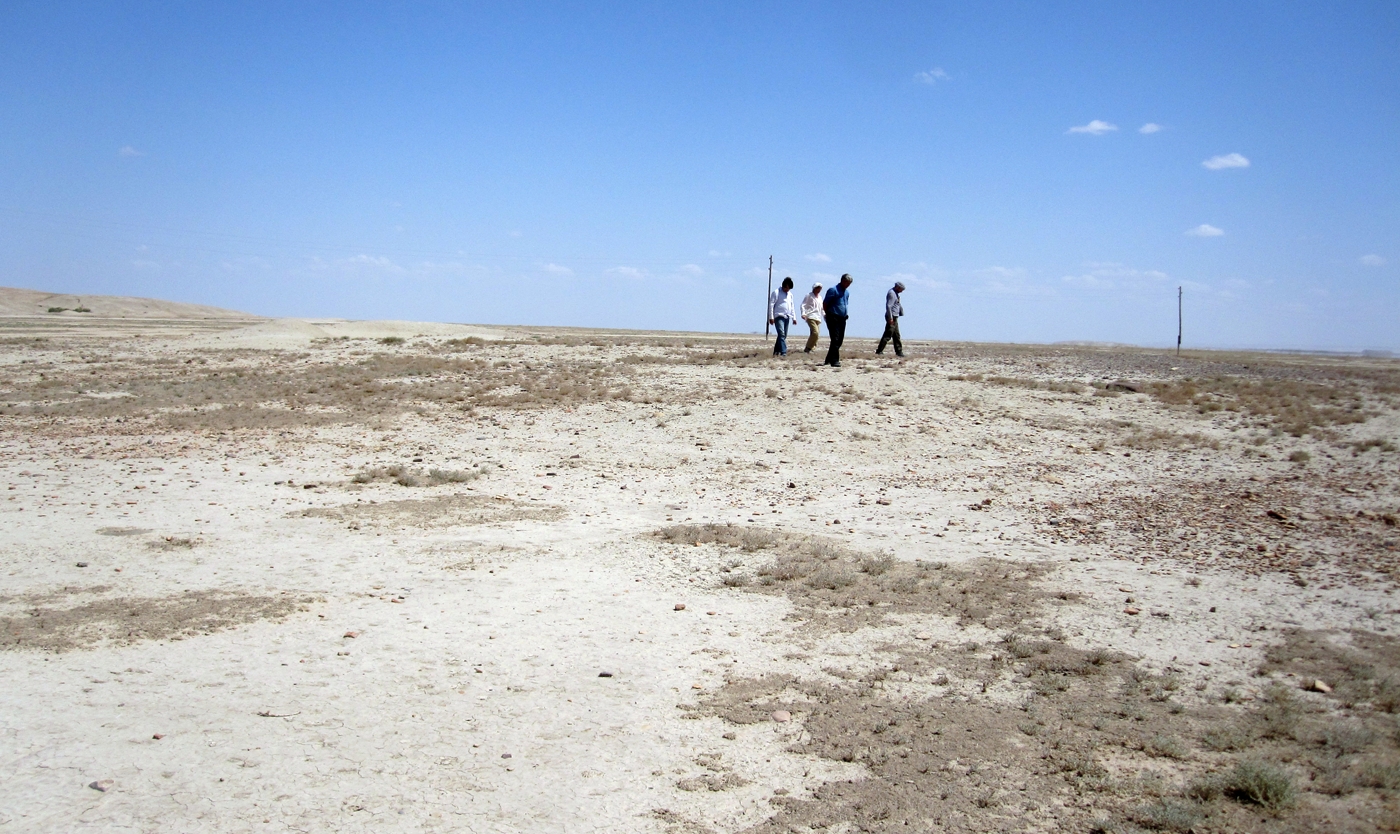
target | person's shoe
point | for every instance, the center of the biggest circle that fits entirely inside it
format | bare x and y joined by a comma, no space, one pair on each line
900,355
835,364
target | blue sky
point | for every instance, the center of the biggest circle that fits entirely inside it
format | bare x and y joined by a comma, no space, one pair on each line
635,165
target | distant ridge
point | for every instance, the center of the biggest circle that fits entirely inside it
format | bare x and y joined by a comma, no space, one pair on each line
30,303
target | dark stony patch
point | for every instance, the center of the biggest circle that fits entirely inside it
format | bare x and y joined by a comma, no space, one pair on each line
126,620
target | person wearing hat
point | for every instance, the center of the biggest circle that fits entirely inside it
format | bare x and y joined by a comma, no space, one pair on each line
893,310
836,305
812,314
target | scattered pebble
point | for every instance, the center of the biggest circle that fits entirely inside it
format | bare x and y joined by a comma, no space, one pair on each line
1131,610
1320,686
605,674
729,736
82,564
680,606
710,613
923,635
505,755
158,736
101,785
782,716
352,634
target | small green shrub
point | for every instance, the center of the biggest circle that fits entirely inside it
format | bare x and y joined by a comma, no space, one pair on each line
1260,783
1168,815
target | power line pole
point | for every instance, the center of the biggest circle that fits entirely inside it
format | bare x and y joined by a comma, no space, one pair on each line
1178,319
768,297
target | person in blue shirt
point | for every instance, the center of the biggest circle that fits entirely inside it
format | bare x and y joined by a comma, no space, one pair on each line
836,305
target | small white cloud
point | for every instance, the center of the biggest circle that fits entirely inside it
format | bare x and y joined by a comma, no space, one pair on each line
128,151
1229,160
371,263
1150,127
826,279
1002,271
1372,260
819,258
1094,128
1205,230
556,269
932,76
628,272
715,253
691,269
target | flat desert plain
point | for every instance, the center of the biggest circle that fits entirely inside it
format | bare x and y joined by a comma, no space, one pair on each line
340,576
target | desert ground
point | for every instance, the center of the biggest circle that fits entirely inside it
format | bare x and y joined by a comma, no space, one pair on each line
320,575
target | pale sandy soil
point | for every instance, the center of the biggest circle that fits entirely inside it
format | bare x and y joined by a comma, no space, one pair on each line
256,642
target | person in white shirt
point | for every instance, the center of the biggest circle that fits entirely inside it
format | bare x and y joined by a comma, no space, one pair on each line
781,313
812,314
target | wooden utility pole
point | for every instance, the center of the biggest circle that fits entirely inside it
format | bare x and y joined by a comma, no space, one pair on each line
1178,320
767,298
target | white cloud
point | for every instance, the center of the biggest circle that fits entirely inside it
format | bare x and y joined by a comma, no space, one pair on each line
691,269
1094,128
1372,260
1002,272
628,272
128,151
556,269
1150,127
932,76
1229,160
715,253
1112,275
826,279
1205,230
819,258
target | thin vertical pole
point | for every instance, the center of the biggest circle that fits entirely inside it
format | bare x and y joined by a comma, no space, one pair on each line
768,297
1178,321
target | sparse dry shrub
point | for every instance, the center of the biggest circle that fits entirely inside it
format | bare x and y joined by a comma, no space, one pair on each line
1260,783
1167,746
1294,406
174,543
1168,815
1162,439
229,390
876,564
410,477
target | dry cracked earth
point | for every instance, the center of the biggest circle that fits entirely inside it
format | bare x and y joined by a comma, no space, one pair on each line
568,580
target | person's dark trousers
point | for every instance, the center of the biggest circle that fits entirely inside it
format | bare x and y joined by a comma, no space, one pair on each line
891,331
780,324
836,333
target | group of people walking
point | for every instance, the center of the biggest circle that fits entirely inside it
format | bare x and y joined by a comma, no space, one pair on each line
834,307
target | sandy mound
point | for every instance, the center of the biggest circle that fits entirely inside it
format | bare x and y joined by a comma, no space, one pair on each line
22,302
